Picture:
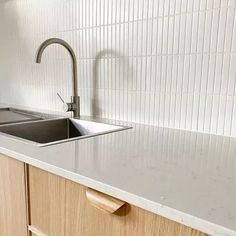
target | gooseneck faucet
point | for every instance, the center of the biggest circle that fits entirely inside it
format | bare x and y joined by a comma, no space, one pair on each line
74,105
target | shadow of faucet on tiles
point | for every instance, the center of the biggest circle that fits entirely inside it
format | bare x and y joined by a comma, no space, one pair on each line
123,79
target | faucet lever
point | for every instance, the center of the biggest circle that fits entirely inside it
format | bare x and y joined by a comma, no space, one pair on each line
60,98
67,106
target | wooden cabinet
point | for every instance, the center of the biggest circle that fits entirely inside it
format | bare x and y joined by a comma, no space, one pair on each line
13,211
53,206
59,207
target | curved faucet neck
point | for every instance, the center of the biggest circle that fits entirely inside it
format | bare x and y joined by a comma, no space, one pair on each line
48,42
41,49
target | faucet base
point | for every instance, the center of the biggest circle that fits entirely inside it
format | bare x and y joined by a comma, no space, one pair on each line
76,106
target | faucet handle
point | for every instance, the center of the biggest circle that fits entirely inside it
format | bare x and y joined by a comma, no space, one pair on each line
66,106
60,98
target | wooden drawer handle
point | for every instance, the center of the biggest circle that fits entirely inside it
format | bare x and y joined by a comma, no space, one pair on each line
35,231
103,201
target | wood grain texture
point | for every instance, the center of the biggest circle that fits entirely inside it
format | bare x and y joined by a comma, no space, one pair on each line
47,202
59,207
13,211
103,201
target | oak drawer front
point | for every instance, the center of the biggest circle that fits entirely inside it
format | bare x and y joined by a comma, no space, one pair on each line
60,207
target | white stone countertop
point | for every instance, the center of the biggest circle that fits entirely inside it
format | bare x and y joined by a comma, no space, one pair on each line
184,176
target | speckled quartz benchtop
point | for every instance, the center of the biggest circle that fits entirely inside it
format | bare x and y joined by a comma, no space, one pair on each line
185,176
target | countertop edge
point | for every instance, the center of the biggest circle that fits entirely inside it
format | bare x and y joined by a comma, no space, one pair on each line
154,207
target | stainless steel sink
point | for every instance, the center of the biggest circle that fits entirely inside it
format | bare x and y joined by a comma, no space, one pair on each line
49,132
10,115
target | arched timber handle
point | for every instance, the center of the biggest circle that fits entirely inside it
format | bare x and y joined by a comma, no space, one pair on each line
103,201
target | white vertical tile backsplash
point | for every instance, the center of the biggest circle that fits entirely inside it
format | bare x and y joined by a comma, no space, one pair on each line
168,63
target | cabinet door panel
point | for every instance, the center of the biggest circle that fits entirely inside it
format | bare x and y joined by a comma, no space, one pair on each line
13,211
47,202
59,207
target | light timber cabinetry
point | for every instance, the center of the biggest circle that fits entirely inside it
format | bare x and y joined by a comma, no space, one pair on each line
59,207
49,205
13,210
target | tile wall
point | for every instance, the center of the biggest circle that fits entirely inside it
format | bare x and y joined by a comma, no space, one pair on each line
170,63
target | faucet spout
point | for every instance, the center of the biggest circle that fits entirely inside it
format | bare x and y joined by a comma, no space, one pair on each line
74,106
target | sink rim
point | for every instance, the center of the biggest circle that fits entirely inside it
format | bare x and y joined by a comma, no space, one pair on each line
33,116
34,143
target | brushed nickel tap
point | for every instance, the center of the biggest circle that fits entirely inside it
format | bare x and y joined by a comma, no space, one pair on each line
74,105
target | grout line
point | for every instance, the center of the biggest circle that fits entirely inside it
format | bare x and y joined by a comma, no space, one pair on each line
136,74
208,71
132,53
227,87
195,67
106,64
171,74
119,114
125,105
161,61
217,38
166,67
146,111
183,67
48,59
115,43
177,68
151,61
87,5
221,77
129,114
137,20
188,83
233,110
201,75
141,113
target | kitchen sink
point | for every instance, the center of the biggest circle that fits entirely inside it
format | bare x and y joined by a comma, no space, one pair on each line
49,132
10,115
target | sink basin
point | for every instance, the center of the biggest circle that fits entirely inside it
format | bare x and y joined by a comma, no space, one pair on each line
10,115
49,132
